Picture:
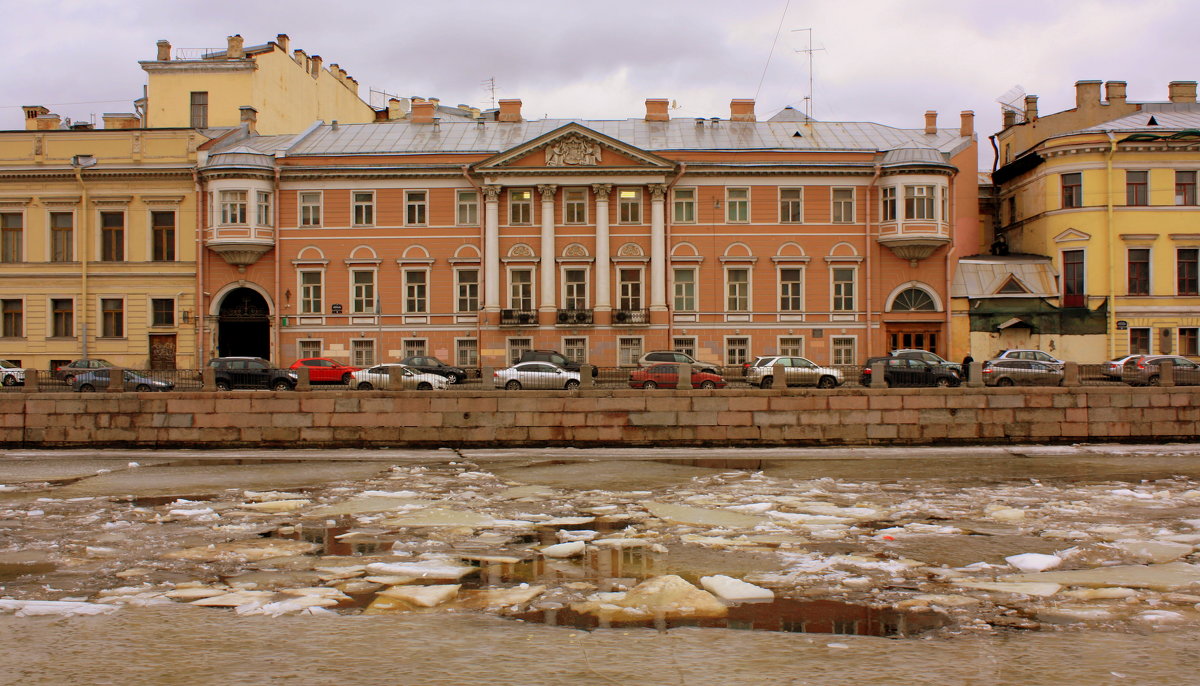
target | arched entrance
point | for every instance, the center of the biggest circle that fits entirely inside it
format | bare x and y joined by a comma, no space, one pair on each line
244,325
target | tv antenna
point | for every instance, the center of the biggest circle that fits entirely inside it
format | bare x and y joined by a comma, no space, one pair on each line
1013,100
809,50
489,84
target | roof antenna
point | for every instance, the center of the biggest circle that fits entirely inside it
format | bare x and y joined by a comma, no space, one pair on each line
489,84
810,50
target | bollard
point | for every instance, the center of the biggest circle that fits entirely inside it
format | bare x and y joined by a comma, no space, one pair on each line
877,374
1071,374
31,381
487,378
779,376
586,380
1166,373
683,377
975,375
395,378
302,382
208,379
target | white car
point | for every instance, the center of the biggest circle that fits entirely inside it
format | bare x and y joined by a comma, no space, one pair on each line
11,374
800,371
380,377
540,375
1032,356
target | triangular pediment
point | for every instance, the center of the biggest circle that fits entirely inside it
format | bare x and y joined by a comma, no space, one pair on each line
1011,285
572,148
1072,235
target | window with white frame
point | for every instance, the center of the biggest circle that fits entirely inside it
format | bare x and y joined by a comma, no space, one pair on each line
233,207
685,205
791,205
362,352
575,201
414,347
520,289
311,297
520,206
843,349
629,289
944,194
363,208
308,348
843,289
918,202
684,344
416,208
843,205
112,314
575,349
518,347
791,346
266,214
887,198
791,289
466,352
685,289
629,206
737,351
310,208
364,290
467,287
737,289
416,291
737,205
468,208
14,318
575,289
913,300
629,349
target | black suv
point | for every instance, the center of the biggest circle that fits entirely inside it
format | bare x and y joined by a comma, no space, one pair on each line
433,365
902,371
251,372
553,357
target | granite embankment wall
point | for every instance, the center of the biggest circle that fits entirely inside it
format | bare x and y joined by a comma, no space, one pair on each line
795,417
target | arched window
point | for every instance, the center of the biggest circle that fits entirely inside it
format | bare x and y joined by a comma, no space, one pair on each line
913,300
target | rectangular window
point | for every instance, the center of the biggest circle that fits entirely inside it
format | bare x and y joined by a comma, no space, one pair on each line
306,349
843,289
112,313
1189,341
1012,209
310,293
364,291
575,349
685,205
1185,188
737,290
162,312
1137,188
685,345
737,205
11,236
575,289
1186,272
362,352
233,207
466,352
62,310
1072,190
14,324
685,290
918,202
199,109
416,208
575,206
266,212
310,209
629,349
112,236
364,208
791,205
1139,341
791,290
791,346
468,208
630,289
517,348
162,231
843,349
629,204
416,295
1073,284
843,205
468,290
520,206
414,347
520,289
1139,271
887,210
62,237
737,351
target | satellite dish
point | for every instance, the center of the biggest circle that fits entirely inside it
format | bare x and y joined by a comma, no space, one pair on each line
1013,100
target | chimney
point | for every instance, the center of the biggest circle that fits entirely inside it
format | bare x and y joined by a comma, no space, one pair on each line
395,109
164,50
316,65
510,110
1010,117
301,57
283,42
47,122
1114,92
234,51
930,121
967,128
32,112
1031,108
422,111
123,120
249,117
741,109
1087,94
656,109
1182,91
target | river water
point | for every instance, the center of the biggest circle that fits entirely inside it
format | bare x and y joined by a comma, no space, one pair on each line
847,540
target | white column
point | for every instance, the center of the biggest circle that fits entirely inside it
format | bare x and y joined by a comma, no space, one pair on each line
491,249
546,302
603,259
658,246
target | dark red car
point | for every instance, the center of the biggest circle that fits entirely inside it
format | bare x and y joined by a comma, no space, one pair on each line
325,370
667,375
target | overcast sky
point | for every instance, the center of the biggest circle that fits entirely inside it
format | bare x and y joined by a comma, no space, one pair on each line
886,61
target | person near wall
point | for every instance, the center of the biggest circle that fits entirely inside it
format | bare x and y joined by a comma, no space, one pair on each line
966,365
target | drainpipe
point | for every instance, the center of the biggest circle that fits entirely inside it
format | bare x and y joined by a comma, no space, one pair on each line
870,263
84,244
951,221
1108,235
466,172
667,262
278,258
201,214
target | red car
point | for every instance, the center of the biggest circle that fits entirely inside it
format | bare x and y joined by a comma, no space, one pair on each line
325,370
667,375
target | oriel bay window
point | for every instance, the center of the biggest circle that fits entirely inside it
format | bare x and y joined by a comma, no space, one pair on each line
737,289
364,291
918,202
162,232
416,291
233,206
467,286
311,298
112,236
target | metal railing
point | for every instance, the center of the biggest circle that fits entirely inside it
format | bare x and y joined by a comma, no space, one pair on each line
518,318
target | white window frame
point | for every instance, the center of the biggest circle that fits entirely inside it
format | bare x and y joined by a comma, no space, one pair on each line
233,207
833,288
689,349
621,283
687,204
361,206
676,283
302,354
459,360
466,202
779,345
729,360
887,204
414,347
799,201
745,300
567,349
567,203
834,204
920,202
420,299
532,288
564,287
779,269
514,346
633,201
356,300
629,349
833,349
526,203
742,215
416,207
310,209
263,208
458,288
356,360
305,298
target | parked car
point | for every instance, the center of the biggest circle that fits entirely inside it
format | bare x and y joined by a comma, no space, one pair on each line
1032,355
541,375
325,370
656,356
89,382
1144,370
800,371
931,358
1115,368
251,372
1012,372
903,371
380,377
432,365
12,374
553,357
68,372
667,376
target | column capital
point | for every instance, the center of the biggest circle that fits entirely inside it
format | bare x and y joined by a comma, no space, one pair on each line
602,190
547,190
658,191
491,193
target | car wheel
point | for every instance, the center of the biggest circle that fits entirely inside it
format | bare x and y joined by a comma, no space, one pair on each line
281,385
827,382
366,386
223,385
708,384
452,378
571,385
767,382
1153,380
513,385
87,388
942,382
347,378
10,380
424,386
69,378
142,388
650,384
1005,381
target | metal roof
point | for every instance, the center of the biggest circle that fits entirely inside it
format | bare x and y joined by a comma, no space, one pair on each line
981,276
1167,116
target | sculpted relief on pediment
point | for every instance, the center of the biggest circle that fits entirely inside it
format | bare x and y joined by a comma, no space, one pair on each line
573,151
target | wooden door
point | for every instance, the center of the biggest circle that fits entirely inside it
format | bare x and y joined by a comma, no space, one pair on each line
162,351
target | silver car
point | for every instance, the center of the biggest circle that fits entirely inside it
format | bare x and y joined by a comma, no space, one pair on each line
380,377
1031,355
538,375
1017,372
13,375
800,371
